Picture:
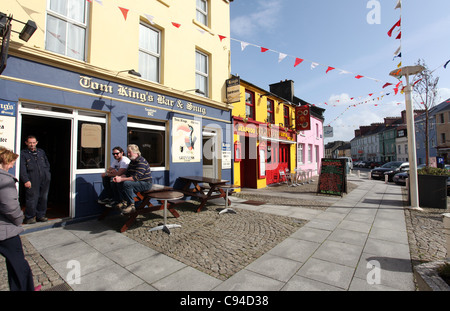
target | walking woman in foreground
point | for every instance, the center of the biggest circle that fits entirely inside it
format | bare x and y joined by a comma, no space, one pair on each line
20,276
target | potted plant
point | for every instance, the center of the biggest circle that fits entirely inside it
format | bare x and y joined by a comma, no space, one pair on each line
432,183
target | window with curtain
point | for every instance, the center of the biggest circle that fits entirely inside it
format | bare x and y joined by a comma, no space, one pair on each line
202,12
250,105
201,73
149,52
67,28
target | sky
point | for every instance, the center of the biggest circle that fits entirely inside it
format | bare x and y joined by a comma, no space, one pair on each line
350,36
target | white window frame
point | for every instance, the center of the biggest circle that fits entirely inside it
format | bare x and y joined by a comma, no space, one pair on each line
203,74
204,13
161,128
69,21
152,54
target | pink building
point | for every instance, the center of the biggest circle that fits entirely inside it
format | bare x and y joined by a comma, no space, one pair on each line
310,145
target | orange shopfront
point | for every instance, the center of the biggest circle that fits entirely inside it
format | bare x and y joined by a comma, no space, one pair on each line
261,151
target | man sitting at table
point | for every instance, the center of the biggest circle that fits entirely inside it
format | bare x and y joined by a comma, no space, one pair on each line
138,178
118,167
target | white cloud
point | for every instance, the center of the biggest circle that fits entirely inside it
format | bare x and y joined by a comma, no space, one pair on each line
263,17
443,94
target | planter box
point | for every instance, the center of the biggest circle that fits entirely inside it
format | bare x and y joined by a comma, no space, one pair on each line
432,191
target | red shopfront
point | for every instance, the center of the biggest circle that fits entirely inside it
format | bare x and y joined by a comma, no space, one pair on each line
265,149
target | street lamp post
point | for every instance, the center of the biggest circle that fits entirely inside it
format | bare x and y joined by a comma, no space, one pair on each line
414,187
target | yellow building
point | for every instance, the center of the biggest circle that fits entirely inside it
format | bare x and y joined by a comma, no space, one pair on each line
98,74
264,134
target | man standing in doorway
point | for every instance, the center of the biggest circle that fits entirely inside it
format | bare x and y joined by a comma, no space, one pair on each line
35,176
138,178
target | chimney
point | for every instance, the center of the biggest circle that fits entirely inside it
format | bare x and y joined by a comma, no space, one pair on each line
284,89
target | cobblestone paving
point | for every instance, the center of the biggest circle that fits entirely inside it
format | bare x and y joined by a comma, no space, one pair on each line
219,245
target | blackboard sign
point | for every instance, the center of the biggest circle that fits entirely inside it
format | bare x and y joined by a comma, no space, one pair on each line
333,177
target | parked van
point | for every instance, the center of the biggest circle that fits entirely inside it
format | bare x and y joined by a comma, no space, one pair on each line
349,162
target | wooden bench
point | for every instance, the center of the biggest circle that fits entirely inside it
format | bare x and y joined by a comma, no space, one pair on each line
145,206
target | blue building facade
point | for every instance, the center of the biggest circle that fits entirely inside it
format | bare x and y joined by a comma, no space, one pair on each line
78,115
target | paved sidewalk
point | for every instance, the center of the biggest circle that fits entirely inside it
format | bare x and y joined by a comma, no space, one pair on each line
330,252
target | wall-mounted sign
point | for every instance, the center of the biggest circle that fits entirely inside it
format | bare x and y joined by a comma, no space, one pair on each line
327,131
186,140
302,118
226,155
233,90
7,124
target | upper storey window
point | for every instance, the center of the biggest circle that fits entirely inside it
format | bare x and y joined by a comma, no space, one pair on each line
67,27
202,12
149,53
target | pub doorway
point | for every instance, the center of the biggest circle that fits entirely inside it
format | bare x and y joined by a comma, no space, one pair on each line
54,137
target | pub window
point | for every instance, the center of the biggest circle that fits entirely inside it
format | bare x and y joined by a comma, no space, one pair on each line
66,29
149,52
270,112
150,137
91,145
250,104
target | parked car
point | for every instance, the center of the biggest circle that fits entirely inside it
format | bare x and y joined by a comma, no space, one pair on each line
375,164
400,178
390,169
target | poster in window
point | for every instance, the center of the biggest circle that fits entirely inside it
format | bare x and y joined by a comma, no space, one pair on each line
7,124
91,135
186,140
262,153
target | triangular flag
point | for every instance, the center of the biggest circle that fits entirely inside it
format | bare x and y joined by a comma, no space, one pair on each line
387,84
370,94
264,50
176,24
99,1
150,18
243,45
397,24
359,77
329,69
399,5
221,37
314,65
298,61
445,66
399,65
396,90
344,72
201,31
398,50
399,55
399,36
124,12
281,56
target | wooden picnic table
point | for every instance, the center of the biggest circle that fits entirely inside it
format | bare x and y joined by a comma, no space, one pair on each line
146,206
200,185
